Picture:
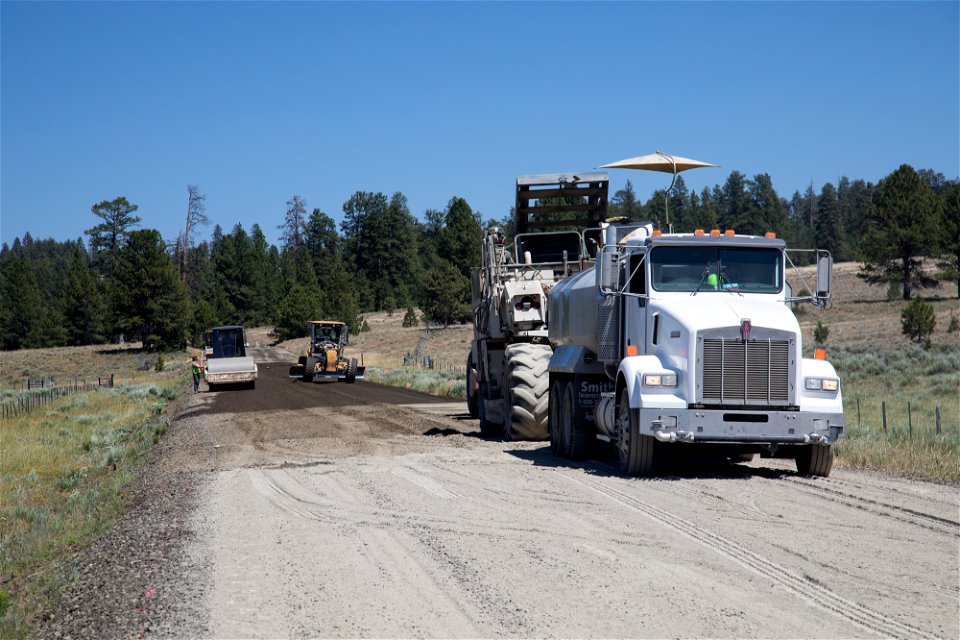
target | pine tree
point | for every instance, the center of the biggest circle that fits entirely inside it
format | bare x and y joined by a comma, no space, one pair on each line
735,206
918,320
84,309
856,204
624,203
461,236
828,224
949,262
703,212
445,289
770,213
902,231
297,308
148,298
202,317
22,307
107,237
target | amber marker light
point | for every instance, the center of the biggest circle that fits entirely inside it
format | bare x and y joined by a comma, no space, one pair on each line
770,234
729,232
715,233
657,232
820,354
698,232
631,349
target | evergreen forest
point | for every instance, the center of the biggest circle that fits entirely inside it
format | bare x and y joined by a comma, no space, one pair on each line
122,281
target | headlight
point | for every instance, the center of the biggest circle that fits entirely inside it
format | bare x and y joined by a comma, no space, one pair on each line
659,379
822,384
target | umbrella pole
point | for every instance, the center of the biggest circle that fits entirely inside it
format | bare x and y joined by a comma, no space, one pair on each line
666,195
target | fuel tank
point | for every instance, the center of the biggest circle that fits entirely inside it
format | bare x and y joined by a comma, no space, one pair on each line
572,317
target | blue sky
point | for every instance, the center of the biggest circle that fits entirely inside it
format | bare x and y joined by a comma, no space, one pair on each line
256,102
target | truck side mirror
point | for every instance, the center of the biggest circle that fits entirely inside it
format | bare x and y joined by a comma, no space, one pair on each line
824,269
607,270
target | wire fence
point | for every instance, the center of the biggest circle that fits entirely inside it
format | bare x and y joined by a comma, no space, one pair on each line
39,392
903,420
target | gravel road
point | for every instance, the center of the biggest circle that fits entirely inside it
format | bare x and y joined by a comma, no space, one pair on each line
334,510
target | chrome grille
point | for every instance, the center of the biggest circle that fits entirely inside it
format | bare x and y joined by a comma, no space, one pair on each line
756,372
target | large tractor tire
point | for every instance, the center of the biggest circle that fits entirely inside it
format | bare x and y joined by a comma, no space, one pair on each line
636,450
527,382
815,460
351,371
473,395
487,429
309,364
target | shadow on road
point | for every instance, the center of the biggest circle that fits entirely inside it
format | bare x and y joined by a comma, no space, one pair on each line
673,466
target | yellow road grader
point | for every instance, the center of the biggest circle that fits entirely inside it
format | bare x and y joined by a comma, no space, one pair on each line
324,358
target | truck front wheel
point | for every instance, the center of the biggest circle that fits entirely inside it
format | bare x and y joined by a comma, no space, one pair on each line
815,460
636,450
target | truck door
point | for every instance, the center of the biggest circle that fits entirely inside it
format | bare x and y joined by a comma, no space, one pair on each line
635,306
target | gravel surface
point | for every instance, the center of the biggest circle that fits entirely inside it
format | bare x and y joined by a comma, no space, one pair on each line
332,510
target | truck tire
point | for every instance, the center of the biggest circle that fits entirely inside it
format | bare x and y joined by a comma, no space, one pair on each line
635,450
487,429
815,460
554,424
351,371
473,404
527,380
309,364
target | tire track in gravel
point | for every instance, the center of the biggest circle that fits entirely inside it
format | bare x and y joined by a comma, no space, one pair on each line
902,514
468,580
804,586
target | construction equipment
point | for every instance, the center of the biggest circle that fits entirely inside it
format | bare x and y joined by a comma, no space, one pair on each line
556,217
688,341
324,358
226,360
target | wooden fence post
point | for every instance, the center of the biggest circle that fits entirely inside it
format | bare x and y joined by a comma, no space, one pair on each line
883,411
938,420
910,420
858,412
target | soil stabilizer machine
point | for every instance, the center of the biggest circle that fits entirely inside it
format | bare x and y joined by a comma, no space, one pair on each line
671,343
556,221
225,358
324,358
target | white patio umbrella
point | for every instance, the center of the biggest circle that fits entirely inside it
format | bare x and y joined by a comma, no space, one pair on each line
663,162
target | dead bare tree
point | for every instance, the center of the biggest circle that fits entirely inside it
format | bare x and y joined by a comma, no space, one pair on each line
196,216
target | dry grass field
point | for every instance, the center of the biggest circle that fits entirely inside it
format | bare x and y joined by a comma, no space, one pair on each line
861,314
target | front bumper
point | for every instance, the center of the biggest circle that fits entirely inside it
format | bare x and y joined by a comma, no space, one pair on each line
742,426
230,377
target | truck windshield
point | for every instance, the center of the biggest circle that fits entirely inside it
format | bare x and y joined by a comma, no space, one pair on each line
742,269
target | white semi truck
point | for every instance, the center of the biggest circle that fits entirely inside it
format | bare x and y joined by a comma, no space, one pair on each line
689,340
